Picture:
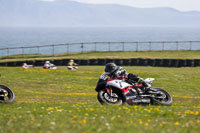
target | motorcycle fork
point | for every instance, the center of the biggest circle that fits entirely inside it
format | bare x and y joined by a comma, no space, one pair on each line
109,91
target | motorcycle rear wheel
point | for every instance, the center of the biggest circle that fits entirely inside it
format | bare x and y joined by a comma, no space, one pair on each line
104,98
167,101
8,96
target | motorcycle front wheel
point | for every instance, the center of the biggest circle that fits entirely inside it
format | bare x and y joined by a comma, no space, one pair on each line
105,98
162,98
6,95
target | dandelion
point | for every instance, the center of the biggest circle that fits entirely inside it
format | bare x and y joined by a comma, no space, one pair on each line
176,123
75,116
196,113
50,108
119,108
126,108
33,119
83,121
149,110
86,114
59,110
140,121
112,118
91,109
157,109
146,124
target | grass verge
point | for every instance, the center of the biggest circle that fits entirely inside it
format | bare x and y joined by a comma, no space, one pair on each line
115,55
61,101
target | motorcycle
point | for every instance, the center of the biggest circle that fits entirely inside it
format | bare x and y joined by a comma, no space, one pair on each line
53,67
72,67
6,94
120,91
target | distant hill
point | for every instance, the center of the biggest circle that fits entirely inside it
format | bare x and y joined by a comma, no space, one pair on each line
64,13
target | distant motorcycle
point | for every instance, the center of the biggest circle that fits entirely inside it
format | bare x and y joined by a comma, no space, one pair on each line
118,92
72,67
6,94
51,67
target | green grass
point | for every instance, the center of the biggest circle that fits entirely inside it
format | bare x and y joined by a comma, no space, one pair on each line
116,55
63,101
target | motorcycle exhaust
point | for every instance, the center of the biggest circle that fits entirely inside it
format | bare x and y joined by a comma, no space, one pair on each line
134,100
141,101
146,100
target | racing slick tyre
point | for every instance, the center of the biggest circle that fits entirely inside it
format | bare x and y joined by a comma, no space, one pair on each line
105,98
6,95
165,100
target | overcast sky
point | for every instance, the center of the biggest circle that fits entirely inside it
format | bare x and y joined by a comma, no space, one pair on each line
183,5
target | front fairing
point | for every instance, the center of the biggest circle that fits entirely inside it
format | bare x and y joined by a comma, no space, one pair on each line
120,84
101,84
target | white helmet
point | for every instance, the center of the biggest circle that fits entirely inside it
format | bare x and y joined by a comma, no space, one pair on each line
47,62
72,60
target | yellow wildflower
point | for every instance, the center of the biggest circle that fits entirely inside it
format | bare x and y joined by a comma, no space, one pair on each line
91,109
176,123
50,108
83,121
196,113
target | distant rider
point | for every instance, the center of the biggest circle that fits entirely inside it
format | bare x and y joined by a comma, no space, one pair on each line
26,66
72,65
49,65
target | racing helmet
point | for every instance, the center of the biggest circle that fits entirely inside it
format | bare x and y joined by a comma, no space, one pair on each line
110,67
47,62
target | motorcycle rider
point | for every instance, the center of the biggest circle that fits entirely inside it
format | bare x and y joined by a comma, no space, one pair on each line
49,65
113,71
72,65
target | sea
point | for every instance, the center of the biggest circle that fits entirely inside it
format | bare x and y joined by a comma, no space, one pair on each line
23,37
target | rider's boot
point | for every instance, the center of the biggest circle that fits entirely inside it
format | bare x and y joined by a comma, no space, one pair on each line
146,86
